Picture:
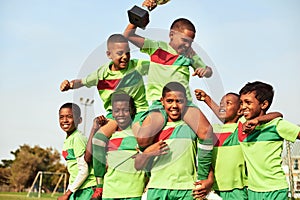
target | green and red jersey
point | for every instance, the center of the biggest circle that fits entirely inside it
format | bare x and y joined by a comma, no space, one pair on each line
74,147
167,66
129,80
121,179
262,151
228,160
175,170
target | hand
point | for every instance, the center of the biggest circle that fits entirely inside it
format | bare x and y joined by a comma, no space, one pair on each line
97,194
150,4
66,196
200,95
202,188
201,72
250,125
157,149
66,85
98,122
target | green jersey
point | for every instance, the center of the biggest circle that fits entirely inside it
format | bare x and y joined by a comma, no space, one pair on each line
175,170
228,160
167,66
129,80
122,180
262,151
74,147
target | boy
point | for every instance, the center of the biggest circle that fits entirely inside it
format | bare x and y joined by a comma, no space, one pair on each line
174,173
82,177
122,73
227,153
228,161
170,62
263,147
121,179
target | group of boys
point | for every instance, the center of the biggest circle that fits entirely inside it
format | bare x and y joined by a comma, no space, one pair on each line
169,147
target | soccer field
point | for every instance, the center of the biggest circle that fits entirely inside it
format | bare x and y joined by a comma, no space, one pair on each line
23,196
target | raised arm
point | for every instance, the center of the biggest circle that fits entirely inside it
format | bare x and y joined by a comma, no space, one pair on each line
135,39
74,84
98,122
202,96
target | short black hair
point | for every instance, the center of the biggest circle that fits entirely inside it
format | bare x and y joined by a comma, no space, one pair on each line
263,91
75,109
123,96
173,86
116,38
181,24
233,93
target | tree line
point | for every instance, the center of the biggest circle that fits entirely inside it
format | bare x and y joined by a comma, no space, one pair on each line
19,173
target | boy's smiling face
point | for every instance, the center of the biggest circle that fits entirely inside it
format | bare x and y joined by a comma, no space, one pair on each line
181,41
251,107
174,103
229,108
122,113
67,121
119,53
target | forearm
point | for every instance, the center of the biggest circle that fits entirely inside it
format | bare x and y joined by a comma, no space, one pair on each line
83,172
268,117
212,105
88,156
77,83
130,34
141,161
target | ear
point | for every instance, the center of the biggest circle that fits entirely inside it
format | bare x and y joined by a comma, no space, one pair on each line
80,120
264,105
162,101
240,111
108,54
171,34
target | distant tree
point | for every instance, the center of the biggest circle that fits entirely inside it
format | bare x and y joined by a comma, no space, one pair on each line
27,163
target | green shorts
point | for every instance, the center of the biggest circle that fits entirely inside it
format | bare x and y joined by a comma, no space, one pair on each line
235,194
162,194
158,107
271,195
129,198
86,193
137,116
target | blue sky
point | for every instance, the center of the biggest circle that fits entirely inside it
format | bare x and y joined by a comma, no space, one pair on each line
43,42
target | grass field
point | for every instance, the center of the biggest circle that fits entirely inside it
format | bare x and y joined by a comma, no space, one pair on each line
23,196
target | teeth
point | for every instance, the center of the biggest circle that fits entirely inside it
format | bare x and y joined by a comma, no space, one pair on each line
65,125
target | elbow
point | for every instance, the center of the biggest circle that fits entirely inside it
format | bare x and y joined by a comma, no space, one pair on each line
205,132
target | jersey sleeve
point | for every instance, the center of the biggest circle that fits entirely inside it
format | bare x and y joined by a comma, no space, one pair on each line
79,145
287,130
93,78
150,46
197,62
142,67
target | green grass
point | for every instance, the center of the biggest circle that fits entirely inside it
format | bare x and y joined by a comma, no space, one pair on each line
23,196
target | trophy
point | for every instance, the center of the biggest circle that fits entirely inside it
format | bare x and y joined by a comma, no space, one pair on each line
139,16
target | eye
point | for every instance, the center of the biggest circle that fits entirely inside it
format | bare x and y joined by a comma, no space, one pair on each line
169,100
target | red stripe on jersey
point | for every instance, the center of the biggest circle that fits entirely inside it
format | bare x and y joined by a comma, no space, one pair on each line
65,154
219,138
114,144
163,57
108,84
241,134
165,134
